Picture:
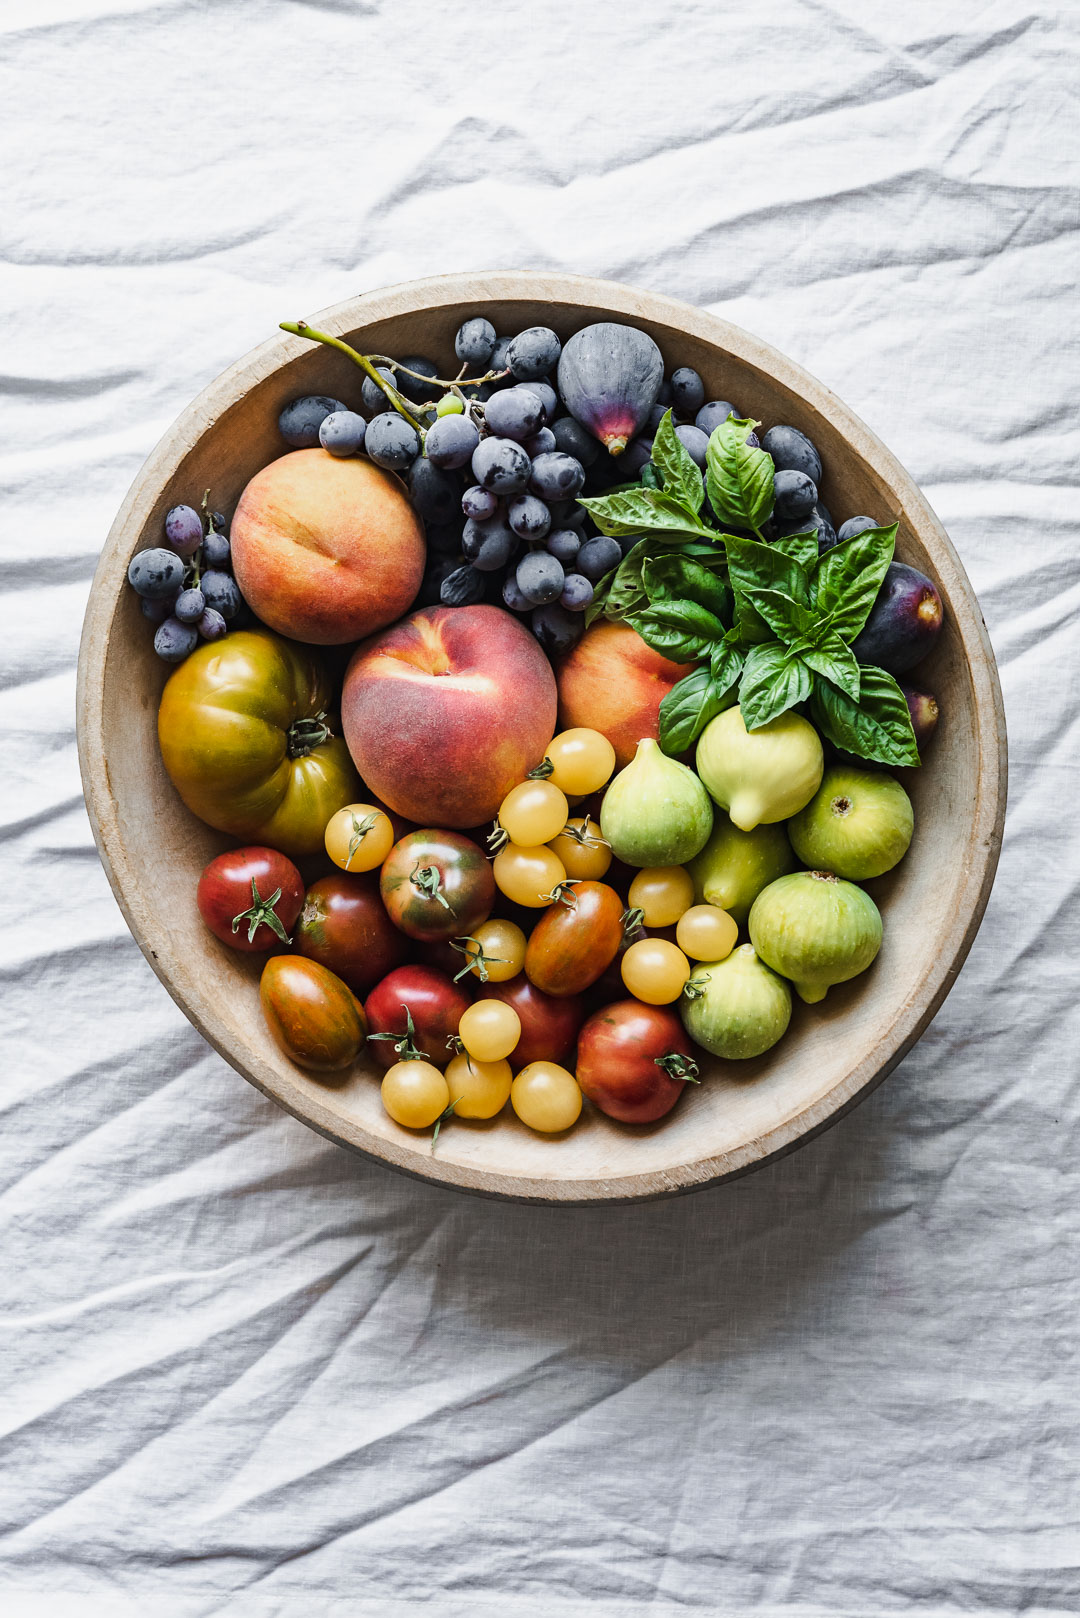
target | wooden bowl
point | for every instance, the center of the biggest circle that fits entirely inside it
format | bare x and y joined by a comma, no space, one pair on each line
742,1114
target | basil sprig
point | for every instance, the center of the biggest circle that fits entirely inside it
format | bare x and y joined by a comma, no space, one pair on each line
738,476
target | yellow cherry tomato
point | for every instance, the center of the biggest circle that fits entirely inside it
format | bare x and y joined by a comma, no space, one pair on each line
359,837
655,970
478,1089
489,1030
528,876
706,933
662,893
496,950
582,761
533,813
582,850
546,1097
415,1094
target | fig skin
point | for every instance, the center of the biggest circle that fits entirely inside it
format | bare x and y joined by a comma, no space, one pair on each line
735,865
609,376
816,930
858,824
904,621
924,711
764,775
656,811
744,1007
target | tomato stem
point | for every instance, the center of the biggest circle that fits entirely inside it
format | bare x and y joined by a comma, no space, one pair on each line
542,771
360,831
678,1066
428,878
563,893
440,1120
261,913
405,1044
306,734
475,960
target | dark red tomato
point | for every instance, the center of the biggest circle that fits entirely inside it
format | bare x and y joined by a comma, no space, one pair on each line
633,1061
435,1003
439,953
344,926
250,898
574,942
549,1027
437,884
315,1018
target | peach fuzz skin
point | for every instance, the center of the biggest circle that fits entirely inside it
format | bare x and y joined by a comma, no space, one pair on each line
448,710
614,683
326,550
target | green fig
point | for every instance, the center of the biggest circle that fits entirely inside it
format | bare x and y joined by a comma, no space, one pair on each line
761,775
858,824
656,811
736,1008
816,929
735,865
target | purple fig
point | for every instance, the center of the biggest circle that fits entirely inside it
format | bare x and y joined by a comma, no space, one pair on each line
904,621
609,376
924,711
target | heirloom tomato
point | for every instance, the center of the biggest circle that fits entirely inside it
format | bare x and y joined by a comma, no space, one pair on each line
315,1018
250,898
633,1061
344,926
546,1097
437,884
415,1094
433,1003
576,940
549,1027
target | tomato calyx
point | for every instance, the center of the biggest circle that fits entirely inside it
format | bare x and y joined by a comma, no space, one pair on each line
585,834
497,837
541,771
306,734
261,913
632,928
476,959
563,893
441,1119
360,829
694,987
428,880
678,1066
405,1044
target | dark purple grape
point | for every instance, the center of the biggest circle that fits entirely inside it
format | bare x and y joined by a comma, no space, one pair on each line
855,525
556,476
212,626
826,534
300,420
664,394
794,495
435,493
217,520
792,451
450,441
512,596
443,538
541,443
190,606
473,535
475,341
479,503
904,621
498,360
437,569
372,396
540,577
687,391
638,453
924,711
156,574
564,545
577,593
502,465
463,588
529,517
572,438
713,415
514,413
183,530
222,593
533,353
597,557
694,441
557,630
156,610
418,392
342,433
753,440
173,641
609,375
215,550
391,441
499,546
653,420
547,397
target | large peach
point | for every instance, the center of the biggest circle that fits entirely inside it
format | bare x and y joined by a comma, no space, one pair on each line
448,710
326,550
614,683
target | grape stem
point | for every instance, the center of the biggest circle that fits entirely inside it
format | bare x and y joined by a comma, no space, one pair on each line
454,383
300,328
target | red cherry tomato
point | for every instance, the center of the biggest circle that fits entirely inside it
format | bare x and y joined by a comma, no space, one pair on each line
437,884
435,1004
344,926
315,1018
243,893
634,1061
574,941
549,1026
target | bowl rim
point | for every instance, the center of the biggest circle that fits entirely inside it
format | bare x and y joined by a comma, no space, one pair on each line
618,299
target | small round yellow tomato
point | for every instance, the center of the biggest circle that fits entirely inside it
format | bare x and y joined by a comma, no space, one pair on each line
546,1097
706,933
478,1089
655,970
582,850
496,950
528,876
359,837
533,813
583,760
661,893
489,1030
415,1094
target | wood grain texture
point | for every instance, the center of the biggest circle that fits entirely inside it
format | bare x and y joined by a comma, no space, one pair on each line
743,1114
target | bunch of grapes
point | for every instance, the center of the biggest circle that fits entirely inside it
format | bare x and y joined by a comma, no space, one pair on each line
186,586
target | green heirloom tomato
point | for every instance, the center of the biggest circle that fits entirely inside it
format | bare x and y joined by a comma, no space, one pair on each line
437,885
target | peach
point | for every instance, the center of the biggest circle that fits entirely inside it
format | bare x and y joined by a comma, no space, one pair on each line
326,550
614,683
448,710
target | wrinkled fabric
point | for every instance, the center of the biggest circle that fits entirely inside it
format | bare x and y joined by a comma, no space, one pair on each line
242,1372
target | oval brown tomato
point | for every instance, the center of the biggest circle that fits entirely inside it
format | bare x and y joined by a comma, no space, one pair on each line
549,1027
250,898
634,1061
430,998
437,884
315,1018
576,940
344,926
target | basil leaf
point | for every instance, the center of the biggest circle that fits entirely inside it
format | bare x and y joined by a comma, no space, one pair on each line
676,575
739,479
749,627
786,618
637,510
802,548
680,630
877,727
834,660
687,709
725,664
682,478
849,577
752,566
772,682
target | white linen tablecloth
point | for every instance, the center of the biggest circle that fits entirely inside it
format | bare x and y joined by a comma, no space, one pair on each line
242,1372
